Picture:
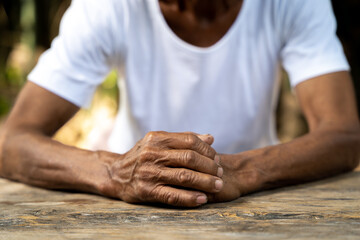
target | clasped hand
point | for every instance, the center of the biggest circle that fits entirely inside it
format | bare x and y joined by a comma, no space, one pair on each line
179,169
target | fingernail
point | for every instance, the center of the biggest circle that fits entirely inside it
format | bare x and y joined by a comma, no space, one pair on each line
217,159
220,172
201,200
218,184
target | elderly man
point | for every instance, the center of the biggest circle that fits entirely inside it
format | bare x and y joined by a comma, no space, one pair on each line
196,121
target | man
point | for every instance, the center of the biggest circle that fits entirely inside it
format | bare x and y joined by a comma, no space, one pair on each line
191,67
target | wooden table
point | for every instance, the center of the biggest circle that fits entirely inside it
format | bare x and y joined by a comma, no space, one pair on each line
328,209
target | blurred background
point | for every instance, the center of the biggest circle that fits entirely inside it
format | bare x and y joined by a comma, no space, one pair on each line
27,28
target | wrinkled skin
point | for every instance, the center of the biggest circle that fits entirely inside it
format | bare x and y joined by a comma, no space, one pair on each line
172,168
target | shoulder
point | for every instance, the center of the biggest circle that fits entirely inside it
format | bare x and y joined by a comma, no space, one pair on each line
302,11
290,10
111,15
97,12
300,17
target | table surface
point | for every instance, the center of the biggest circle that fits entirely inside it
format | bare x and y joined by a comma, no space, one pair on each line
326,209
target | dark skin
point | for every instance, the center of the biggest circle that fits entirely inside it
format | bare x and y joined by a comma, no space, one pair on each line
182,169
202,22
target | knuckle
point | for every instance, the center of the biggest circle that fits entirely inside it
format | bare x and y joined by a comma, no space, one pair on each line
185,178
191,139
147,154
152,175
210,152
156,138
144,156
172,199
190,133
151,136
207,150
189,156
148,150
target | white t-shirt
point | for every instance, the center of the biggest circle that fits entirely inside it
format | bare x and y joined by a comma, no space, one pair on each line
228,90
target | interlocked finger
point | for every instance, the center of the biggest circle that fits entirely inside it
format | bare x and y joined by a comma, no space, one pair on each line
189,141
191,179
193,160
178,197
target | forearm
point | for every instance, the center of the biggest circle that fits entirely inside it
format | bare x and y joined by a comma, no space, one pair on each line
146,173
314,156
35,159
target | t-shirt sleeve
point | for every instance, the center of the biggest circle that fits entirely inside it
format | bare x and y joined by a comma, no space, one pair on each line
311,47
81,56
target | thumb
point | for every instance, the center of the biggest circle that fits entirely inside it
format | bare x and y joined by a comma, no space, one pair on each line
209,139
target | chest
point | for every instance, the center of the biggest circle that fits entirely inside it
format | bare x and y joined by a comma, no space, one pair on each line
201,26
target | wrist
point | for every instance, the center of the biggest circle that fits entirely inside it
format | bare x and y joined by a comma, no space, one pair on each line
103,182
246,171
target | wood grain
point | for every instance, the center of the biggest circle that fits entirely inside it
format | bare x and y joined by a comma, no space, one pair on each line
327,209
